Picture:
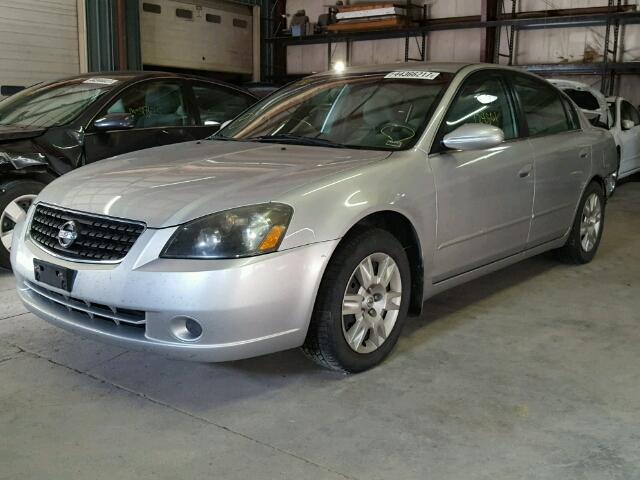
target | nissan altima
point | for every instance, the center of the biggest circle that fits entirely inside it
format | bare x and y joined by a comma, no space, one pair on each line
319,218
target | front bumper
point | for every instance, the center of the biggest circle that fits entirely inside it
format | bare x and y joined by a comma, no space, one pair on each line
246,307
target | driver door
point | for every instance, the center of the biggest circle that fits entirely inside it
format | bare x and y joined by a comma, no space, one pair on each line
484,197
162,117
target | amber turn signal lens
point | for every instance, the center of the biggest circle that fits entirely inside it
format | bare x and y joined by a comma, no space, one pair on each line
272,239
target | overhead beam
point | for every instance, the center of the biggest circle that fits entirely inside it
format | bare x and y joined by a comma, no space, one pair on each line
622,68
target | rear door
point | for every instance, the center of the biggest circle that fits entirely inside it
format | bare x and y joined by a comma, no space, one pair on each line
162,116
484,197
629,138
562,156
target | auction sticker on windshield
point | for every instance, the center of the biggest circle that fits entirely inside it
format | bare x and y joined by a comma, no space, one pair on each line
101,81
416,74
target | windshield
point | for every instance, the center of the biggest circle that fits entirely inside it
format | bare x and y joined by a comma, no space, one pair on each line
53,104
381,111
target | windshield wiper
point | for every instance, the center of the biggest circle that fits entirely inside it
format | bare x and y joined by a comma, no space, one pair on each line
295,139
221,138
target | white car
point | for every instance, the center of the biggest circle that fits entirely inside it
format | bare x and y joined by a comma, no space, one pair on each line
626,131
588,99
616,114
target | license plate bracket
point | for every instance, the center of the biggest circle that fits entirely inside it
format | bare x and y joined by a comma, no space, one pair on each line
54,275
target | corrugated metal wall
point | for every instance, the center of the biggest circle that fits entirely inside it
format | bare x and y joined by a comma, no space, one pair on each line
532,46
39,41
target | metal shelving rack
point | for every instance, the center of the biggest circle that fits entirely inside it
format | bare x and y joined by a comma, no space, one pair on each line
614,17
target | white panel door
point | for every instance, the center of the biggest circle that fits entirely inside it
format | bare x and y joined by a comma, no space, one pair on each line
197,35
38,41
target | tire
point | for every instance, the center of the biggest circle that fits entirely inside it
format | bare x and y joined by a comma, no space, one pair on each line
25,192
326,342
574,251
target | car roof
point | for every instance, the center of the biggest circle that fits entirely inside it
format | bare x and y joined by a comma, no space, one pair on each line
448,67
444,67
136,75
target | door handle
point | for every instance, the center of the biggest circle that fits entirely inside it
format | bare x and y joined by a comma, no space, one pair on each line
584,153
525,171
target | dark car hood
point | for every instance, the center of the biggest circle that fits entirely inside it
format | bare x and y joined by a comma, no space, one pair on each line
13,132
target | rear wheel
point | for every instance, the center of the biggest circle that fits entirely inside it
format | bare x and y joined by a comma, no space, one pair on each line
362,303
15,199
587,229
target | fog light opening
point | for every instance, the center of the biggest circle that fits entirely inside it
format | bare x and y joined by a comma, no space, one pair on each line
186,329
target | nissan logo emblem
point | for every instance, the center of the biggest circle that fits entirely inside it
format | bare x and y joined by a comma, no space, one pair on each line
67,234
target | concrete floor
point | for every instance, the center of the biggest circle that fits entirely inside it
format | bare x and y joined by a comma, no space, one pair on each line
530,373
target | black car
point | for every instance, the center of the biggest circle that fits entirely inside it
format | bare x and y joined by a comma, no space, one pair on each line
50,129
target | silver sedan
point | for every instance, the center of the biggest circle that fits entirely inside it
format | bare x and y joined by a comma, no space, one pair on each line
321,217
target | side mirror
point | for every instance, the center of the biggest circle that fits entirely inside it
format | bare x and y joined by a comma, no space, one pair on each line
115,121
474,136
627,124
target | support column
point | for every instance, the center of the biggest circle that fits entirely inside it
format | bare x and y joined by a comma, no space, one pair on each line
113,35
489,36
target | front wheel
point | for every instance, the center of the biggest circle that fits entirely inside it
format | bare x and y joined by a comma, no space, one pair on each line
586,233
15,199
362,303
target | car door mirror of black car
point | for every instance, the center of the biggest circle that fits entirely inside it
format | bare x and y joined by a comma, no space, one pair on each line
115,121
628,124
212,124
474,136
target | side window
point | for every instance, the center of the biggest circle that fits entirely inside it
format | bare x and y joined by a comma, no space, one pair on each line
483,98
218,104
628,112
541,106
154,104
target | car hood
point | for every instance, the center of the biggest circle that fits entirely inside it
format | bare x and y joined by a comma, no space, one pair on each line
602,112
11,132
168,186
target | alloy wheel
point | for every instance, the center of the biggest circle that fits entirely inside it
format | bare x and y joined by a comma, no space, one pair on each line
15,211
371,303
591,222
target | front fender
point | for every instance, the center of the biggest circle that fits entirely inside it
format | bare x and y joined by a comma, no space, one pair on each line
328,209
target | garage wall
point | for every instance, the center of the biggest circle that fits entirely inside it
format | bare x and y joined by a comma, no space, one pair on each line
39,41
441,46
217,36
533,46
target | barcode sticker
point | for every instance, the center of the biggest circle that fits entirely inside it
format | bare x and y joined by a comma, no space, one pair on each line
414,74
101,81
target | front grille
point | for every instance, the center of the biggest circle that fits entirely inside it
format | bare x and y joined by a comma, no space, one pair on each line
100,239
135,318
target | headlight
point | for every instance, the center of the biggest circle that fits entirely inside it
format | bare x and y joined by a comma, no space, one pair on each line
22,160
240,232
